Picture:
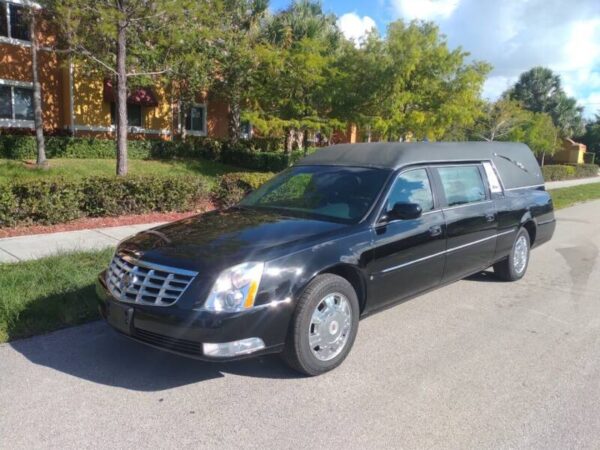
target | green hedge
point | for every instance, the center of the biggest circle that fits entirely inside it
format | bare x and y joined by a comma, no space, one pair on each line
57,201
232,187
262,154
568,172
48,202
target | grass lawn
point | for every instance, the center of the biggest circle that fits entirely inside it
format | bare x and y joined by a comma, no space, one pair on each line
50,293
566,197
81,168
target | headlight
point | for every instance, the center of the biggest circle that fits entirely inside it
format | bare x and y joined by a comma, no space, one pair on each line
236,288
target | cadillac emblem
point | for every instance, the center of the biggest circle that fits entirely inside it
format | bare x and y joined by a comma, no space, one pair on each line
127,281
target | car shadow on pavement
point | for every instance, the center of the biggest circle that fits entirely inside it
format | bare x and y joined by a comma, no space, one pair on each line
485,276
96,353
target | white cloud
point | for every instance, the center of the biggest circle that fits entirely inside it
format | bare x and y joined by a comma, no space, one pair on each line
591,103
424,9
516,35
354,27
494,86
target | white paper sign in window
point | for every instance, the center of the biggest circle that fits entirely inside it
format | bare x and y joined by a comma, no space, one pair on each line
492,177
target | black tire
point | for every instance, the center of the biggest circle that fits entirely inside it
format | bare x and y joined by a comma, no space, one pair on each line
298,353
505,269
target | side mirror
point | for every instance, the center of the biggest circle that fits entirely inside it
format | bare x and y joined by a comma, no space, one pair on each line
404,211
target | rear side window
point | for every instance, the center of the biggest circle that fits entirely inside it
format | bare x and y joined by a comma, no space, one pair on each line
462,184
412,187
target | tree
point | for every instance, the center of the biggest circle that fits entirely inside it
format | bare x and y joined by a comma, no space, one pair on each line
499,119
236,55
37,91
132,41
356,89
540,90
414,85
291,92
539,133
591,136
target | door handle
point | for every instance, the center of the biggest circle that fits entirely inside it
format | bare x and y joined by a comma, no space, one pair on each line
435,230
490,217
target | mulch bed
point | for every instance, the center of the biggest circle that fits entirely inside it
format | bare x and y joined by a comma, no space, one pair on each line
98,222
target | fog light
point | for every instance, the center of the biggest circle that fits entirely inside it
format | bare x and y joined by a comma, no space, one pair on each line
235,348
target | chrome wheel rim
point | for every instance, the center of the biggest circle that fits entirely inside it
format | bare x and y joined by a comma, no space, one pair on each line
330,326
521,253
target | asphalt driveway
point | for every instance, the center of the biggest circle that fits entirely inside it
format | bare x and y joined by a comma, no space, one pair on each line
478,364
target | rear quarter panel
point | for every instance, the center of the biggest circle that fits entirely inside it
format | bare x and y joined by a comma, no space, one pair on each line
518,206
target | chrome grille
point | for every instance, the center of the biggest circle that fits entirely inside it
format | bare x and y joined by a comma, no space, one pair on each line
134,281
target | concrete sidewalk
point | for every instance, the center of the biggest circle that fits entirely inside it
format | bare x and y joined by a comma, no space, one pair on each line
570,183
21,248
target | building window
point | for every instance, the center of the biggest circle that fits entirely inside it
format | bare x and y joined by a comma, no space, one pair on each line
13,22
16,103
134,115
195,120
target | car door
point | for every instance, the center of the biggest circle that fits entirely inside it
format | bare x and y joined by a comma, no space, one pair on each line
408,255
471,221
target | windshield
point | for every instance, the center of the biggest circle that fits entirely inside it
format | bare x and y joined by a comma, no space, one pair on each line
341,194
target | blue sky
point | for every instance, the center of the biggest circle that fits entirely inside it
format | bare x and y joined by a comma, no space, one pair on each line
513,35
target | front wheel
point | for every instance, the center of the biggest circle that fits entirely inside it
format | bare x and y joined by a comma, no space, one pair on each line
324,326
514,267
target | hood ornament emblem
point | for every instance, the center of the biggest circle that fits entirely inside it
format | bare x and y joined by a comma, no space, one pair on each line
127,282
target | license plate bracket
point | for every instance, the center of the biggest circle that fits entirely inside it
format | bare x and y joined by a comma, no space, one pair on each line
121,317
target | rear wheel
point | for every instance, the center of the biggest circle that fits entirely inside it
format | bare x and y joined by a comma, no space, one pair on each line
324,326
514,267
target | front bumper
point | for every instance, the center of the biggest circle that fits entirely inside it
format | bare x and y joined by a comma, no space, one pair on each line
184,331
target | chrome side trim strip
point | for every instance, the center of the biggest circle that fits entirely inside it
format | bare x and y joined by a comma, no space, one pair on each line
546,222
468,244
425,258
482,202
525,187
450,250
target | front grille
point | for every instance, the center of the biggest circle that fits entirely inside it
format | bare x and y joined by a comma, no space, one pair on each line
169,343
134,281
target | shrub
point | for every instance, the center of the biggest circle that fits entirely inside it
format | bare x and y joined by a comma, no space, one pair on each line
263,154
57,201
233,187
24,147
567,172
586,170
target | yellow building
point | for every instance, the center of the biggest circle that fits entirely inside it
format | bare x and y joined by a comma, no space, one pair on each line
571,153
75,102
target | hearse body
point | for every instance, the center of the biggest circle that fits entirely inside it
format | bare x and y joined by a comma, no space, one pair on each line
348,231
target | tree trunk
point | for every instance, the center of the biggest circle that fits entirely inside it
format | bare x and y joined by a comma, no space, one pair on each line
235,121
289,141
305,137
37,96
543,157
121,97
369,137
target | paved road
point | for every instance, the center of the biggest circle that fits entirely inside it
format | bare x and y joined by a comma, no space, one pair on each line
478,364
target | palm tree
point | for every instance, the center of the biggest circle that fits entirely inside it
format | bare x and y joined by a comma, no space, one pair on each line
303,19
540,90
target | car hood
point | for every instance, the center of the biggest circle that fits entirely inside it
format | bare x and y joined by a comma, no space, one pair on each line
219,239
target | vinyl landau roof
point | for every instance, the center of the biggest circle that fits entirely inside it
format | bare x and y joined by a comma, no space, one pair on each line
515,162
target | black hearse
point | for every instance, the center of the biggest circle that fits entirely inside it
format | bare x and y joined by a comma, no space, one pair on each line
349,230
